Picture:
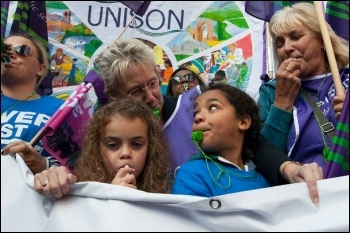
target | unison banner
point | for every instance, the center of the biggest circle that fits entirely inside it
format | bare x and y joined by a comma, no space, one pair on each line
205,36
93,206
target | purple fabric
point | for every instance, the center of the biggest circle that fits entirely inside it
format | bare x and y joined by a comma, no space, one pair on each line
306,140
264,10
139,7
178,131
337,15
337,163
4,16
95,79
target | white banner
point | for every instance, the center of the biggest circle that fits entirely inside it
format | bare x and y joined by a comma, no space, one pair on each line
97,207
200,35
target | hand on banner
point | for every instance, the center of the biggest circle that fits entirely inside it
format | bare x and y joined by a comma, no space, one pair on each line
309,173
35,162
54,182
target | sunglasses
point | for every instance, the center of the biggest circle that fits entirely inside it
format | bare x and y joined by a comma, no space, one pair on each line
187,77
22,49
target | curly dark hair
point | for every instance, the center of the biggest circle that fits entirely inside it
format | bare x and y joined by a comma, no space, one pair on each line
155,176
169,91
244,105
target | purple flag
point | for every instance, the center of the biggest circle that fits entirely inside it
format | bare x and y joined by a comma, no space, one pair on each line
95,79
337,161
264,10
30,17
4,16
139,7
337,15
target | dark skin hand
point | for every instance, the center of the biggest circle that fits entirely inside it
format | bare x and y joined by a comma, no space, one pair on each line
35,162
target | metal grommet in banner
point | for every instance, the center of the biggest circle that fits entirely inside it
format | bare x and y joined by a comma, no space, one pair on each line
215,203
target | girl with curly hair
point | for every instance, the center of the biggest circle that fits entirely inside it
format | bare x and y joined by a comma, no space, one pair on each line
123,145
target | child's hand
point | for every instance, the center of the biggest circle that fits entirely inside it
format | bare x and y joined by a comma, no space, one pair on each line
125,177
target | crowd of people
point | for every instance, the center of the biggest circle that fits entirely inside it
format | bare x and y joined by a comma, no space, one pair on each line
141,138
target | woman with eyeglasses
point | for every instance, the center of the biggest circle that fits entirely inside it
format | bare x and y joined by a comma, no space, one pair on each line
23,111
182,80
127,68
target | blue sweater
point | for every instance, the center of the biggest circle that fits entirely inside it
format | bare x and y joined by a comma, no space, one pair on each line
24,120
201,177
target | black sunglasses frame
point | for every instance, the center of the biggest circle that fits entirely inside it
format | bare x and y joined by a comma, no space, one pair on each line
189,77
22,50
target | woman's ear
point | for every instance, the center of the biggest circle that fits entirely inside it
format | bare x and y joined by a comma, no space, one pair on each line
245,122
41,70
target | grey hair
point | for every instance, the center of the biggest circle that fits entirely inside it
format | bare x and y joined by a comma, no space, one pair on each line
304,14
120,56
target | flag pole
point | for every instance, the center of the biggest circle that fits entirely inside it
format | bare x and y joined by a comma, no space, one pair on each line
269,51
329,49
38,137
127,25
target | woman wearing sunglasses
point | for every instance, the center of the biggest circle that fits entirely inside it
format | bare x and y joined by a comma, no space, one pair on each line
182,80
23,111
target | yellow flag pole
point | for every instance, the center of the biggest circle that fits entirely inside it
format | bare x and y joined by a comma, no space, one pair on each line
329,49
127,26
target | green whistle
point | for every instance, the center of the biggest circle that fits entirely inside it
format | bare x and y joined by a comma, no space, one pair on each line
197,136
156,112
186,87
5,59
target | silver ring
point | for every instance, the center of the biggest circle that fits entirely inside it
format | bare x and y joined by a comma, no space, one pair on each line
288,70
46,182
337,114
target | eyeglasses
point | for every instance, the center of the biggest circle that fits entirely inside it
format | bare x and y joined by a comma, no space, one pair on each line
139,92
187,77
23,50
